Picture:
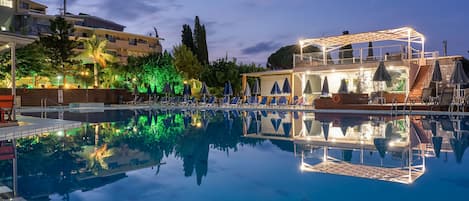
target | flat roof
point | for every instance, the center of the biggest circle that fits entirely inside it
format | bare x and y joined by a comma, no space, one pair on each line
6,37
269,73
399,34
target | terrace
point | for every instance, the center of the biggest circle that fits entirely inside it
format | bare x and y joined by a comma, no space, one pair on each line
399,44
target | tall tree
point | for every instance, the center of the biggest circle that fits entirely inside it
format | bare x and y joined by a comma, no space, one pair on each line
95,53
186,62
58,47
346,51
283,57
187,38
200,41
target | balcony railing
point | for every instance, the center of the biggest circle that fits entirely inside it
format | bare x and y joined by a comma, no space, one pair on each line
359,56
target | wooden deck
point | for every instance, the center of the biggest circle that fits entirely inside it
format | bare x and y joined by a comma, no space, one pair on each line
329,104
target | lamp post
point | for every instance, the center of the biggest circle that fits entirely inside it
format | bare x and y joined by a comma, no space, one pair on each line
84,76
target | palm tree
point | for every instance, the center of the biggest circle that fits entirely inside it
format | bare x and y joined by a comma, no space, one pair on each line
95,50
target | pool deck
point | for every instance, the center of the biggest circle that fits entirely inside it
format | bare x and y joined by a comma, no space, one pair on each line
372,111
29,126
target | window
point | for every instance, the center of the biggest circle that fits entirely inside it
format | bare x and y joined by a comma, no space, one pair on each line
24,5
6,3
132,41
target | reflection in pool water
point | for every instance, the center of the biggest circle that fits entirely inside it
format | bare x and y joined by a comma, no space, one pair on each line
149,154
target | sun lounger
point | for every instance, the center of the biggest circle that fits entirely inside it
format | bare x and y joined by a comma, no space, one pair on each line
273,101
282,101
263,101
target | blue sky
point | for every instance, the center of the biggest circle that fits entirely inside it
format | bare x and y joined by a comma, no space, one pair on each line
253,29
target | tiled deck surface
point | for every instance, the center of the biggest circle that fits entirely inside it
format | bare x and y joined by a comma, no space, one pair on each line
34,126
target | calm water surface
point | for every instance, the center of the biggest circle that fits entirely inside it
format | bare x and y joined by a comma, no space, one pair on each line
239,155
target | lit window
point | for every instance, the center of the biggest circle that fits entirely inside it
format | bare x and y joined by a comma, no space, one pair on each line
6,3
2,28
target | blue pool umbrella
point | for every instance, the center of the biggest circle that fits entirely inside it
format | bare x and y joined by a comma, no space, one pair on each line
437,141
343,87
459,76
308,124
256,90
276,123
381,74
154,91
275,89
204,90
325,87
459,146
286,88
149,90
187,120
381,145
436,75
308,89
247,90
228,91
287,128
325,129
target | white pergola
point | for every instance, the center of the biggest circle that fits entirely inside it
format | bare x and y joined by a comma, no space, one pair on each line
327,44
12,41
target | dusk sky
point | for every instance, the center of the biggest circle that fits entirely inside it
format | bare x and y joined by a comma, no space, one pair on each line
251,30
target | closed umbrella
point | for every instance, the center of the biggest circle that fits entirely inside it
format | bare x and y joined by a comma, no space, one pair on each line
437,141
381,145
343,87
325,129
167,89
204,90
459,146
381,75
286,88
459,77
275,89
154,93
256,90
307,89
247,90
325,87
276,123
286,128
247,122
436,76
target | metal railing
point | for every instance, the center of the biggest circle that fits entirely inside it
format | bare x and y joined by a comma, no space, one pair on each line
362,55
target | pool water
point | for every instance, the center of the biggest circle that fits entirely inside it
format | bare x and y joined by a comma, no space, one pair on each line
240,155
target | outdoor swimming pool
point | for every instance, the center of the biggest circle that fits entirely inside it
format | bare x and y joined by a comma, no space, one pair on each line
242,155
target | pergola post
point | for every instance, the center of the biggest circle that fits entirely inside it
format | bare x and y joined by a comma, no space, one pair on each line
13,77
409,47
422,56
292,81
324,56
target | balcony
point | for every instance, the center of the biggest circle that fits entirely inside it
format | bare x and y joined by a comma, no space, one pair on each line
361,56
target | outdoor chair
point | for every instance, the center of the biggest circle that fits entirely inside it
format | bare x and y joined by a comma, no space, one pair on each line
295,100
211,100
446,97
253,100
263,101
225,100
273,101
427,95
282,101
235,101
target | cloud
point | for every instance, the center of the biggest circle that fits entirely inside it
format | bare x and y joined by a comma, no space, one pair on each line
261,47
